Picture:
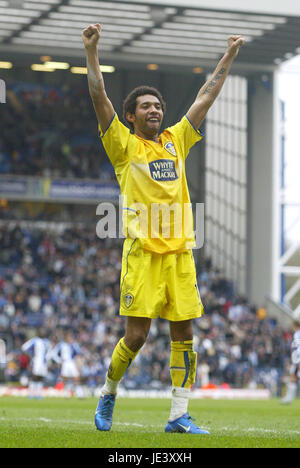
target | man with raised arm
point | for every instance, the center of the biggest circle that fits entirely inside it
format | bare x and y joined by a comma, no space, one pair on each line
158,277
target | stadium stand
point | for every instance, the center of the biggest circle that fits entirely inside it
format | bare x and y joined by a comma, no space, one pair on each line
69,278
56,133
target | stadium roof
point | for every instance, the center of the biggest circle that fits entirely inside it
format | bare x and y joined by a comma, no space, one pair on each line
167,32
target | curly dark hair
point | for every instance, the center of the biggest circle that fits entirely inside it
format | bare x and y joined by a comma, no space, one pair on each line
129,104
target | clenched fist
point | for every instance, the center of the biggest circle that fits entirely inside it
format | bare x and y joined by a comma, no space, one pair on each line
234,44
91,36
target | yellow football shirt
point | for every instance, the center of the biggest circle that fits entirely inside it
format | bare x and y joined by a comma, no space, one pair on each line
155,197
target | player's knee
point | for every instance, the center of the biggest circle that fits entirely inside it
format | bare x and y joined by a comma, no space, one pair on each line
136,333
139,338
135,339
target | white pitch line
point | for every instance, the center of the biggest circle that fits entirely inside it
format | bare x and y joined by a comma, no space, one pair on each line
72,421
260,429
152,426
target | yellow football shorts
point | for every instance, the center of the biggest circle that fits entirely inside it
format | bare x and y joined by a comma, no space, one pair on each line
158,285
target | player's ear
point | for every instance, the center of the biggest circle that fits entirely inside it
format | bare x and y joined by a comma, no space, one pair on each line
130,117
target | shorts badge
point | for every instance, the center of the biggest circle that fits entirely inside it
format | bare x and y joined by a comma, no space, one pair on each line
128,299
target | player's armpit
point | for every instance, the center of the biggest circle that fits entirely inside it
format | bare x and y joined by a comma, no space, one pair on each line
105,113
197,112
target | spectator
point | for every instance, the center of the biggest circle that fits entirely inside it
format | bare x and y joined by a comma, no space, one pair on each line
65,279
50,142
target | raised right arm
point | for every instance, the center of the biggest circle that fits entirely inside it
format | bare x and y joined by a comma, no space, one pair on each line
102,105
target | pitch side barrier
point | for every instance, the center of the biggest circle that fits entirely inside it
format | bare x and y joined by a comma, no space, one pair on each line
2,92
213,394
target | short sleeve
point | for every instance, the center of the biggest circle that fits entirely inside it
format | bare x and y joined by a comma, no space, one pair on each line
115,141
186,135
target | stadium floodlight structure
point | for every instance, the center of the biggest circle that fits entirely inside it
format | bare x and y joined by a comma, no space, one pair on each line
289,260
175,32
241,186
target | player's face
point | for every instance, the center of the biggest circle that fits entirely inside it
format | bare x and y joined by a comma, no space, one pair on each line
148,114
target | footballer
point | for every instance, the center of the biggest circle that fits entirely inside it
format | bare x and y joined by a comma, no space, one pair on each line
295,366
158,277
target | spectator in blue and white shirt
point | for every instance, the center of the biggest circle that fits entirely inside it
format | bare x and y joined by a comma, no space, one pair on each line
64,354
38,349
295,366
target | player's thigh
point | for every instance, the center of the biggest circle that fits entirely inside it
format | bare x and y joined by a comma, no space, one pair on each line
184,302
181,331
141,292
39,369
69,370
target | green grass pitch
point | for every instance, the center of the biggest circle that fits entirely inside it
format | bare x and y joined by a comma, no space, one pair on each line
139,423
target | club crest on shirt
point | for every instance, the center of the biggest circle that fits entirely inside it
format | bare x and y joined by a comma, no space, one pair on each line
169,146
128,299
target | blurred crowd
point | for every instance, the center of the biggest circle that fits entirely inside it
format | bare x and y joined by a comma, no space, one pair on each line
70,280
56,136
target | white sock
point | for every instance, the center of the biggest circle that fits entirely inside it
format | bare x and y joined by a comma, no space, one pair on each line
31,389
180,401
291,391
39,389
79,391
110,387
69,388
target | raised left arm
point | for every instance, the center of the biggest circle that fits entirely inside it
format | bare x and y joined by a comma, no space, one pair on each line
211,89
